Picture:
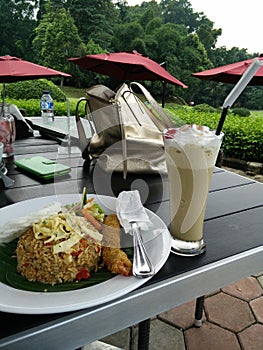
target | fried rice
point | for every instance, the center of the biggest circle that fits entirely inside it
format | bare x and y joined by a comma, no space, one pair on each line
37,261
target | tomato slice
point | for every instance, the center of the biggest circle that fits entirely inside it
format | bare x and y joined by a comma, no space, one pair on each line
76,253
83,274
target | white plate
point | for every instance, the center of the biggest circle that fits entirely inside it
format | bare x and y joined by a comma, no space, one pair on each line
26,302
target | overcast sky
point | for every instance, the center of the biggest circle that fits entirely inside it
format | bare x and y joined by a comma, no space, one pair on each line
241,21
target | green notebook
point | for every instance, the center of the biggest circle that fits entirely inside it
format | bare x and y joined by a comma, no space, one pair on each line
42,167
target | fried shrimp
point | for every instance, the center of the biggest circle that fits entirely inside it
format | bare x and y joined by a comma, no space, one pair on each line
113,257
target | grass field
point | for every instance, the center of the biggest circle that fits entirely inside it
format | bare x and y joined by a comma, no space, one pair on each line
257,113
72,92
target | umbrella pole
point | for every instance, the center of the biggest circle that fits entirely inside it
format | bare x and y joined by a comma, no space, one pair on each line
164,65
163,93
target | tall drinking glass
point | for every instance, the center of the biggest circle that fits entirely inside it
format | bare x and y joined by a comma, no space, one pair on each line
191,152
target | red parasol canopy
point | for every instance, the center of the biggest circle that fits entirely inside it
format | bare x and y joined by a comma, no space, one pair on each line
231,73
248,72
14,69
126,66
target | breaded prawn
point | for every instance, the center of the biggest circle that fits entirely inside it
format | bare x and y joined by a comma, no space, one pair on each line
115,259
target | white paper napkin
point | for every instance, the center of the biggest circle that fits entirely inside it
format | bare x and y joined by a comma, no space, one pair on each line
130,209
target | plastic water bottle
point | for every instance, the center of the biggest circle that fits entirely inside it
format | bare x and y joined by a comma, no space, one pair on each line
7,130
47,107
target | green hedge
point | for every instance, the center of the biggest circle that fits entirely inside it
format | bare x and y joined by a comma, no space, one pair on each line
32,107
243,136
241,111
33,89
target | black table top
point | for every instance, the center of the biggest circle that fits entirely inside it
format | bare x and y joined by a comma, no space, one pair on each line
233,220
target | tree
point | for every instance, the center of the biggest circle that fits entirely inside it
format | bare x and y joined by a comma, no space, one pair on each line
16,26
122,9
208,35
169,38
164,45
125,35
57,39
180,12
94,20
152,11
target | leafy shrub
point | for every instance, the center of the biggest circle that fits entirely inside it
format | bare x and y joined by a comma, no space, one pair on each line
189,115
32,107
205,108
33,89
241,111
243,138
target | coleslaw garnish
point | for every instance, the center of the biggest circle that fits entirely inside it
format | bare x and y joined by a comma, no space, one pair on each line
67,226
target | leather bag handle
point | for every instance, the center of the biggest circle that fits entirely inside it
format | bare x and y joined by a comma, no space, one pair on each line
83,141
159,110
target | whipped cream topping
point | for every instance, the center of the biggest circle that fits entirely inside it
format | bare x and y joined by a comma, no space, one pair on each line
192,133
192,146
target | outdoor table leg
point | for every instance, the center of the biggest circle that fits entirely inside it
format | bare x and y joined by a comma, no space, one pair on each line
199,307
144,334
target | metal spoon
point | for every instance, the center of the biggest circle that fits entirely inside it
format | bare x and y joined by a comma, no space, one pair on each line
6,180
142,266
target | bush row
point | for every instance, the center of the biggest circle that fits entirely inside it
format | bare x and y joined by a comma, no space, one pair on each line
243,136
33,89
32,107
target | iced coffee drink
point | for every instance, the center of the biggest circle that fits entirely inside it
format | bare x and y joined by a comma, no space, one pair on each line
191,153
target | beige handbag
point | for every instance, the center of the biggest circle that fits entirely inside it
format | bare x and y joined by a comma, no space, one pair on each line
126,132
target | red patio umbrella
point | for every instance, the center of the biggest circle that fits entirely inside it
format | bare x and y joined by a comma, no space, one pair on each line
231,73
126,66
248,72
14,69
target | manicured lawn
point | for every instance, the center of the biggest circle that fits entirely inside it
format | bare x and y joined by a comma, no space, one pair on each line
72,92
257,113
